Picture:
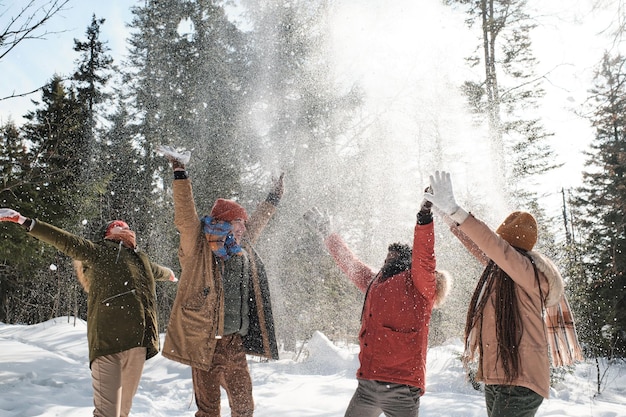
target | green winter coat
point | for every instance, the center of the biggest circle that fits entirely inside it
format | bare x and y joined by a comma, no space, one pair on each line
121,303
197,315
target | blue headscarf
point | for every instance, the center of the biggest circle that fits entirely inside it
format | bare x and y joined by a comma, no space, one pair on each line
219,233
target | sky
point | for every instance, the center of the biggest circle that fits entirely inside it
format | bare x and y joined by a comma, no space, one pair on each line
44,372
33,63
407,56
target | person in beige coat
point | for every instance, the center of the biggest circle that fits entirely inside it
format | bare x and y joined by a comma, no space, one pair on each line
506,327
222,309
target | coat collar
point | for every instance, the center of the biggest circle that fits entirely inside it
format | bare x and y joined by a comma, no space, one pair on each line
555,280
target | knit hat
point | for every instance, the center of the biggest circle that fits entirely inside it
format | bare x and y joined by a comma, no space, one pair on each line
228,210
115,223
519,229
118,231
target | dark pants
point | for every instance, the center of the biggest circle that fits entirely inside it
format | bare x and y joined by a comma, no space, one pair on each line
511,401
229,370
375,397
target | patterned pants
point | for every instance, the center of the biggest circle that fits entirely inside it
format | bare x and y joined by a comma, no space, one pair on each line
229,370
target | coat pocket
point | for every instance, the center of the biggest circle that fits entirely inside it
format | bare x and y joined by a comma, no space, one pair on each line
196,301
396,353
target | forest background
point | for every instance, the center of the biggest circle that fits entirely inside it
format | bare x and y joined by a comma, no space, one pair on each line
255,89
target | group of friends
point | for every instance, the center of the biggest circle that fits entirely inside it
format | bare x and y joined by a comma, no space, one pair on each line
518,322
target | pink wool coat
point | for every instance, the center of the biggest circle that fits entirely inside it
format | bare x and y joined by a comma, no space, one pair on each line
532,295
396,313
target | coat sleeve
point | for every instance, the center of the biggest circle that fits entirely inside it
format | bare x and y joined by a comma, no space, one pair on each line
185,215
70,244
469,245
423,261
258,220
161,273
358,272
516,265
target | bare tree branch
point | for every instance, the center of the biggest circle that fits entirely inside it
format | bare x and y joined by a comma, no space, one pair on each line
15,95
27,22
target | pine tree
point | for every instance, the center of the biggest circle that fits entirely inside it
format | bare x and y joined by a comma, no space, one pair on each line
18,259
189,88
46,187
93,72
55,131
601,217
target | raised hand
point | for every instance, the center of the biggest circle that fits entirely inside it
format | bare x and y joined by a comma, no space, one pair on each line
10,215
441,194
318,221
277,192
178,159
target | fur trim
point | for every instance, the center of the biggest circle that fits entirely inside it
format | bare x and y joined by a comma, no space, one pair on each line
443,287
80,274
555,280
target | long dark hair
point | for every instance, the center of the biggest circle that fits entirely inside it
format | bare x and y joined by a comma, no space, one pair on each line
509,326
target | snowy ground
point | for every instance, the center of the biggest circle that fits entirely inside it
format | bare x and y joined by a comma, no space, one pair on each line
44,372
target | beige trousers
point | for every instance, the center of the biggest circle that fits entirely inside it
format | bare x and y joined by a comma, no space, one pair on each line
115,379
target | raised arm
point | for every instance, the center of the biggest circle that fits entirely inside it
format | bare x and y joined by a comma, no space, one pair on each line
358,272
70,244
264,211
186,217
423,260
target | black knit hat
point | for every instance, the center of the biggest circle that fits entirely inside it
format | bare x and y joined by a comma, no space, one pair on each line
402,249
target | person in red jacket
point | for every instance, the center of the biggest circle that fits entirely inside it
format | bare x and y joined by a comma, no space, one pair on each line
396,313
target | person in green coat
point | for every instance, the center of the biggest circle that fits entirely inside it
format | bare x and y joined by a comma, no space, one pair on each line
122,328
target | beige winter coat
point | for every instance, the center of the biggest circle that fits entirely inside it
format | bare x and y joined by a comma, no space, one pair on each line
534,355
198,311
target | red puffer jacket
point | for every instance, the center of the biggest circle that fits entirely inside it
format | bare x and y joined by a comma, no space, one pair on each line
394,325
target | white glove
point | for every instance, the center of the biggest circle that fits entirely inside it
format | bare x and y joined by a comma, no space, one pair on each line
442,196
10,215
172,154
318,221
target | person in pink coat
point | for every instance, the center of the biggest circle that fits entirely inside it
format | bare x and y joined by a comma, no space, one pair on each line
399,300
507,329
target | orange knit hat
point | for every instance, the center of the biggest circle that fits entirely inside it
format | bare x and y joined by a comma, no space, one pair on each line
228,210
519,229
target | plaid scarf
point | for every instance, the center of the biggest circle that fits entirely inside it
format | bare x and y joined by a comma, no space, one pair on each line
220,237
561,332
557,316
